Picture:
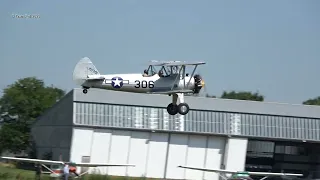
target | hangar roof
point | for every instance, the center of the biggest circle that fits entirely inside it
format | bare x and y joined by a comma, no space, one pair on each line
198,103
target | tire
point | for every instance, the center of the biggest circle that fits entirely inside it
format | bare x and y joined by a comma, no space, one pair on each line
183,108
85,91
172,109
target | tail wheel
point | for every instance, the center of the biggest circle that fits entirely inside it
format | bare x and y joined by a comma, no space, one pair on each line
85,91
172,109
183,108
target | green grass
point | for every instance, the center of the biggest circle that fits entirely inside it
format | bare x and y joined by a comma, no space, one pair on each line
9,173
12,173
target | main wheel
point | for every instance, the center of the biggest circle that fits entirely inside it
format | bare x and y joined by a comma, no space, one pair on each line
84,91
183,108
172,109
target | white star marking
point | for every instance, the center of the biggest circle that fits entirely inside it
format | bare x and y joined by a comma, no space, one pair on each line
117,82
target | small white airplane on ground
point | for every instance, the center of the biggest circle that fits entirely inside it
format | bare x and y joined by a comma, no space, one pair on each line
57,171
241,175
171,79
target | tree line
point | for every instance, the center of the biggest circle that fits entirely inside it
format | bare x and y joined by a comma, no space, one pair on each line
27,98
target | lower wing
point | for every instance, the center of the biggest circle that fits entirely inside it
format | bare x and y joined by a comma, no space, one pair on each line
171,92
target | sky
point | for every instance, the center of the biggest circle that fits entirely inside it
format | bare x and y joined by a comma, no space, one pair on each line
271,47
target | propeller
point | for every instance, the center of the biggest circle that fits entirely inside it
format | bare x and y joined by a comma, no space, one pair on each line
200,81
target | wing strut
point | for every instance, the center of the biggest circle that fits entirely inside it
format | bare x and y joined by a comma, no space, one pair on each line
178,76
48,169
192,74
83,173
264,178
223,176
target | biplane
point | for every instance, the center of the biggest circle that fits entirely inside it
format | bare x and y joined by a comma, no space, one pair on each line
241,175
56,169
171,79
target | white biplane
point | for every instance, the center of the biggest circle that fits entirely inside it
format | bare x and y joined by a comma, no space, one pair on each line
56,169
171,79
241,175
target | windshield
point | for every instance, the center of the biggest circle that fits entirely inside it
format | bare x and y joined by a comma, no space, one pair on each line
151,71
164,70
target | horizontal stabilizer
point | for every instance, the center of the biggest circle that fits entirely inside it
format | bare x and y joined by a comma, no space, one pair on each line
95,78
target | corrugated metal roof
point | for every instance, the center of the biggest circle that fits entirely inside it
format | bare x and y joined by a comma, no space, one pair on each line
198,103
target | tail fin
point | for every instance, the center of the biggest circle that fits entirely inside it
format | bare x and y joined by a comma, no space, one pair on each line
82,69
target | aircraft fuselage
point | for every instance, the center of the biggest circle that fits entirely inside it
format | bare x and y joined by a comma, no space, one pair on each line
140,84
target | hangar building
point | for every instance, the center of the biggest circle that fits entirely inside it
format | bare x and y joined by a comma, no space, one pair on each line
117,127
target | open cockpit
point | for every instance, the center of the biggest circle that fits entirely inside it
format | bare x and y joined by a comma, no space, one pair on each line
164,71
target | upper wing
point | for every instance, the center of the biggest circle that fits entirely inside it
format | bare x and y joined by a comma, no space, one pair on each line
209,170
272,174
98,164
34,160
175,63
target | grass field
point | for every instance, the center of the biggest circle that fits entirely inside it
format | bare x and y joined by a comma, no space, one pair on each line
8,172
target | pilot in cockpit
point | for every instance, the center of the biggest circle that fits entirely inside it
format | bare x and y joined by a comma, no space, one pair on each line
161,73
145,73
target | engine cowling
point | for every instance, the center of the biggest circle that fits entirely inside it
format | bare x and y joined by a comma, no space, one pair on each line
198,83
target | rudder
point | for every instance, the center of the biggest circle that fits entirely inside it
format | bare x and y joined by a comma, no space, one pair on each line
82,69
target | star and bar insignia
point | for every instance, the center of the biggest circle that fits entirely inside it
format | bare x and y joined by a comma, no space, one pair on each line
116,82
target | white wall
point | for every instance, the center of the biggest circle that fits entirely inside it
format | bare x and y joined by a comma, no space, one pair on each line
155,155
235,156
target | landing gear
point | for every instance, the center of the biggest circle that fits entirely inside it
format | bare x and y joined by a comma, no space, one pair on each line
182,108
172,109
85,90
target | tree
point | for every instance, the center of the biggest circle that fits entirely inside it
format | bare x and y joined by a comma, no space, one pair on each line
242,95
314,101
210,96
22,102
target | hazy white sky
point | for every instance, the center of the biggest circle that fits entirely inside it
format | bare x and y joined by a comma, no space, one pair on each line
266,46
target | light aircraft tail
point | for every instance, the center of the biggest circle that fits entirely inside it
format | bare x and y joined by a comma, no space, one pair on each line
82,69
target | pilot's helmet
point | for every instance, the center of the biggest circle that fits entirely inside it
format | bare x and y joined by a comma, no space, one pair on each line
145,71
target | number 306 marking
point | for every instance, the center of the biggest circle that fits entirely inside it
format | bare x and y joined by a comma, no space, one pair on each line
144,84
